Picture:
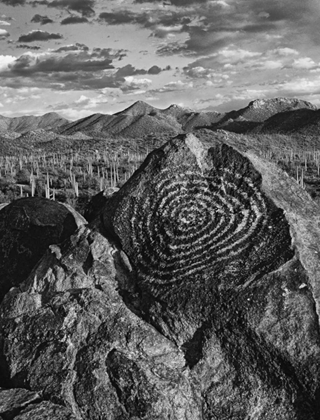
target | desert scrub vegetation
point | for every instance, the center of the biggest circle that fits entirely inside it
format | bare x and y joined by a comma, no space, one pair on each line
74,170
298,155
302,165
71,177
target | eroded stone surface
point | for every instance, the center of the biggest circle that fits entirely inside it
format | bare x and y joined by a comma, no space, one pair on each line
27,227
195,298
12,401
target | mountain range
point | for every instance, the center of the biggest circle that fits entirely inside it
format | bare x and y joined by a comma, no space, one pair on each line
140,120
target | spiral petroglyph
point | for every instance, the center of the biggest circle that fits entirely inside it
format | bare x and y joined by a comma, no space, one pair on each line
192,213
193,222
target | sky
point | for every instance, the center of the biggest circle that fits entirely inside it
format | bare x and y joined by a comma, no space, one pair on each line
81,57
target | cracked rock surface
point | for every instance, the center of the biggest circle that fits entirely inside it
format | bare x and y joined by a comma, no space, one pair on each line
193,295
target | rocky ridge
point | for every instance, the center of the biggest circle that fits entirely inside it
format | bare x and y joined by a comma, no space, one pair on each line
141,120
193,294
48,121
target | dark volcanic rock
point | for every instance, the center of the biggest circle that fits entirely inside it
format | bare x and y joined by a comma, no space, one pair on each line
21,404
193,296
27,227
12,401
95,206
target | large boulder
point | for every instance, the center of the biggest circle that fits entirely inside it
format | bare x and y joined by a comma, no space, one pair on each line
27,227
194,295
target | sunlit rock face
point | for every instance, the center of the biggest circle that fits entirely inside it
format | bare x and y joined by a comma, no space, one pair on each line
194,295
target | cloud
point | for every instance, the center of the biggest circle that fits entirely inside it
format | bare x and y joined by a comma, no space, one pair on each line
177,85
72,47
199,72
237,55
161,31
83,99
6,17
129,70
172,48
28,47
85,102
4,34
225,58
119,17
85,7
72,67
155,70
182,3
5,61
208,26
132,83
43,20
74,19
4,23
32,64
38,35
161,23
13,2
304,63
285,52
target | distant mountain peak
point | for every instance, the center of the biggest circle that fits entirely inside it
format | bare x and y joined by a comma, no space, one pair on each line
138,108
281,102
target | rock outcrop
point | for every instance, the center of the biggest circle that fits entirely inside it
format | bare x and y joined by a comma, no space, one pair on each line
193,295
27,227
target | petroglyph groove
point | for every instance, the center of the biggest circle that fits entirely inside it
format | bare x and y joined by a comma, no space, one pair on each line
192,222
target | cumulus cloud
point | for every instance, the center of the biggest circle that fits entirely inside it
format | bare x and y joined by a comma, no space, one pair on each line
32,63
133,83
199,72
285,52
38,35
212,25
4,34
85,7
74,19
83,99
72,67
5,61
85,102
4,23
43,20
236,55
304,63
